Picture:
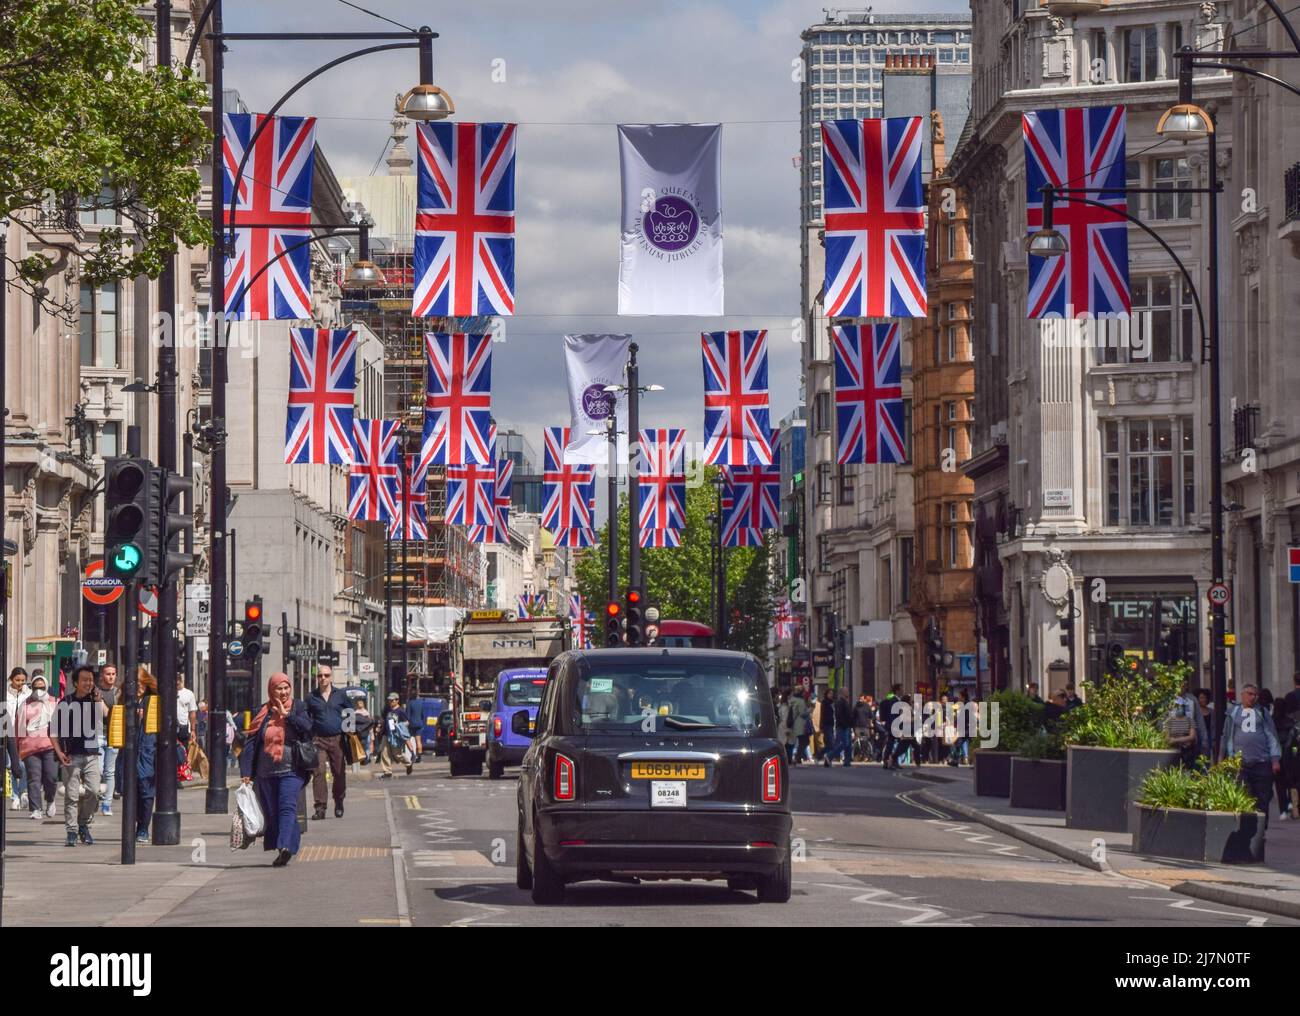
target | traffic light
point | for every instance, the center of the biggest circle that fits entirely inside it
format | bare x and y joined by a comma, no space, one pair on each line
934,643
634,628
128,553
613,623
168,524
253,629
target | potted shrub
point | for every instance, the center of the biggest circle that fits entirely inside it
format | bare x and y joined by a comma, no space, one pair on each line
1038,773
1114,739
1018,718
1199,815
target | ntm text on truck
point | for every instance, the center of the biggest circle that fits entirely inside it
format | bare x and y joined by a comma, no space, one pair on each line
484,643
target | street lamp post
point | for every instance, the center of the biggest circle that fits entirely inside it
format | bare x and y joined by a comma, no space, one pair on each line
423,102
634,388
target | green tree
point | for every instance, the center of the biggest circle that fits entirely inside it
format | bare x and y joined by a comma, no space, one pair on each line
679,579
81,110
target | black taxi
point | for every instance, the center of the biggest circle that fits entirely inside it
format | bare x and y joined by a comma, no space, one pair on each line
652,764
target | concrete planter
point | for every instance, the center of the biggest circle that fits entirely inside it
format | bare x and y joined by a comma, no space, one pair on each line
1216,837
1102,785
1038,783
993,773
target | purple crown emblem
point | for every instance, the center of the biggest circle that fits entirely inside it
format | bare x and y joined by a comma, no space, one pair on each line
672,224
596,401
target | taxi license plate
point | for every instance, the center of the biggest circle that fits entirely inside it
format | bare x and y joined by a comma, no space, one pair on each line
668,771
532,724
668,794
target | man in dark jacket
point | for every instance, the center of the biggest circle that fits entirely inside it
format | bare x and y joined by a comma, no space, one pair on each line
390,724
890,708
327,707
844,726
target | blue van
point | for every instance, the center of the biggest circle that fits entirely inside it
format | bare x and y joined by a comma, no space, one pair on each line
518,690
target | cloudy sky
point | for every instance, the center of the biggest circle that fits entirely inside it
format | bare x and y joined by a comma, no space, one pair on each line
572,70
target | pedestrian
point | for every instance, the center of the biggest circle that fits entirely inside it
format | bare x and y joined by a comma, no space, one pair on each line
1248,732
783,736
1053,710
965,722
187,711
842,709
1286,719
146,760
863,719
1180,734
1033,693
365,727
1072,700
946,734
1187,700
1205,706
16,695
326,706
268,758
800,725
395,731
826,727
198,755
78,722
107,753
886,715
36,749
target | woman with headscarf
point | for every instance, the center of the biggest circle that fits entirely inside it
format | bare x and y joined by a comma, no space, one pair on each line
268,758
146,761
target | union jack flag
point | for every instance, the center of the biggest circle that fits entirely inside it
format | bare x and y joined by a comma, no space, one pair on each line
574,538
499,531
533,604
465,221
568,491
322,383
582,621
410,511
471,494
660,537
1079,148
869,393
661,475
736,431
374,467
271,216
751,502
458,403
785,620
875,218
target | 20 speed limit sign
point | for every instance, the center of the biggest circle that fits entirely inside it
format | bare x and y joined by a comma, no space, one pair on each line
1219,594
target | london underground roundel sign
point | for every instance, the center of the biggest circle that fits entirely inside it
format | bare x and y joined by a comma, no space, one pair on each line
98,588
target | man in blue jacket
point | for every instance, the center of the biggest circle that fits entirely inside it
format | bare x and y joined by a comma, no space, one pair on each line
326,706
1248,731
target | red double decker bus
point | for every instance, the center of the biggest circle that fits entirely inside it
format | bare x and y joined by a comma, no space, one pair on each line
689,634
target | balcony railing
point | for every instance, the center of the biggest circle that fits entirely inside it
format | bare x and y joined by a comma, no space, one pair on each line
61,218
1292,194
1245,427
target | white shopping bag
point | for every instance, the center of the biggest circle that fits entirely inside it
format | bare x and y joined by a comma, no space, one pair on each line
251,809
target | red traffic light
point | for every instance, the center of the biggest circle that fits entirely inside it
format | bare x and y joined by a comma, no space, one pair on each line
633,596
613,608
253,612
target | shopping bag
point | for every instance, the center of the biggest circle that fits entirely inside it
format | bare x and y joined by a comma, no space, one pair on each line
248,806
239,838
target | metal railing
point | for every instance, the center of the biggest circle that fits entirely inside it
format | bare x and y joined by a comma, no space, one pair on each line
60,218
1292,179
1245,427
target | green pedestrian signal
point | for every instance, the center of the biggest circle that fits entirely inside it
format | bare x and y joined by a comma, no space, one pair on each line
126,561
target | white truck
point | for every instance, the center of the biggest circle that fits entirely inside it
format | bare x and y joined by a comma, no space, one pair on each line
484,643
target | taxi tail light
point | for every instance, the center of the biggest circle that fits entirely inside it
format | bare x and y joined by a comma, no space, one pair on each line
496,726
565,788
772,781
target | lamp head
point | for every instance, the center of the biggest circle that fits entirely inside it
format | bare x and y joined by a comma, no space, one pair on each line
1185,122
363,273
426,103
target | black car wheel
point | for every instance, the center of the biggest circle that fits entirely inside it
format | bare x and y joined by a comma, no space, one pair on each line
523,874
548,886
454,764
775,888
496,770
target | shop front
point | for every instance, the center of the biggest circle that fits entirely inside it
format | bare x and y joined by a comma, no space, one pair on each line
1144,620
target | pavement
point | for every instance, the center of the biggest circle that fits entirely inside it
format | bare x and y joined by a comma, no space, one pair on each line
872,848
1273,887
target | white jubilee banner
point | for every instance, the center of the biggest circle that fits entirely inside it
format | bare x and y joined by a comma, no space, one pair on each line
671,259
592,362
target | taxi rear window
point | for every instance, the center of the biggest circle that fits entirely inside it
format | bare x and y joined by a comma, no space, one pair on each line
523,691
668,698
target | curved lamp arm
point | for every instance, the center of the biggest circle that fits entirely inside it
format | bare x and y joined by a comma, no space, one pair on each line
1239,69
1187,277
198,32
267,117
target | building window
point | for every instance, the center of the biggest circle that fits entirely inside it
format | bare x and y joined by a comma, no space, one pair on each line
905,569
110,435
1133,178
98,325
952,442
954,241
822,412
846,486
1141,56
824,482
938,434
823,553
1155,333
1099,69
953,542
952,343
1175,174
1160,483
100,210
1175,44
907,430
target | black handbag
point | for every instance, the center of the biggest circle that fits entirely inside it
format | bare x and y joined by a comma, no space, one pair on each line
305,757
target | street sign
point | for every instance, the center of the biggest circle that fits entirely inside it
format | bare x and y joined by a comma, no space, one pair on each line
98,588
1293,561
1229,639
366,667
823,658
235,647
303,651
198,609
1219,594
328,657
149,601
